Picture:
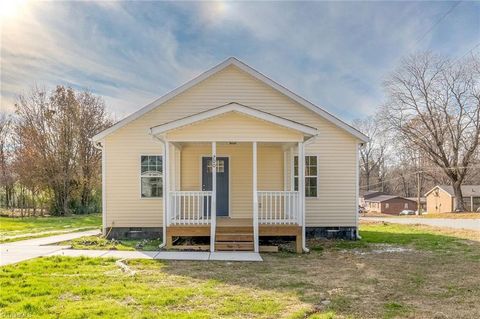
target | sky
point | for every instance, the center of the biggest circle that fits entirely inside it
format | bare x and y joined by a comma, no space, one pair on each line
334,54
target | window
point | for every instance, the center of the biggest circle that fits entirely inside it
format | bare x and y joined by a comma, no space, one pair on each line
220,166
405,206
151,176
387,205
310,175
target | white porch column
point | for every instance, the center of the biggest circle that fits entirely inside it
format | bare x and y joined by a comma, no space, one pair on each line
166,181
104,189
213,215
301,188
255,199
357,187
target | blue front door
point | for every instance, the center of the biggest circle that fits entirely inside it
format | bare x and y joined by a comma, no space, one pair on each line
222,182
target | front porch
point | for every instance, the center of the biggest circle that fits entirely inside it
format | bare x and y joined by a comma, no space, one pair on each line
234,234
232,176
232,211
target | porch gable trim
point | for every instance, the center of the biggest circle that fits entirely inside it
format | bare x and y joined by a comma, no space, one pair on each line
233,107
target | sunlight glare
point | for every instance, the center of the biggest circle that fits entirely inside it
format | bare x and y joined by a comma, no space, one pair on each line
10,9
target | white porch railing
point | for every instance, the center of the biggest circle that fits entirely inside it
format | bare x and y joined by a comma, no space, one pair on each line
278,207
190,207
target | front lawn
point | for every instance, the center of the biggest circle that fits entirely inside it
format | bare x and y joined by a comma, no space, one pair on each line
396,271
467,215
15,228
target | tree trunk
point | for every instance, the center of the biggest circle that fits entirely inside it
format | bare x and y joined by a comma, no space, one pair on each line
457,190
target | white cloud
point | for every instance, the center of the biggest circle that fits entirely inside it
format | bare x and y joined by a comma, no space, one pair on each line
335,54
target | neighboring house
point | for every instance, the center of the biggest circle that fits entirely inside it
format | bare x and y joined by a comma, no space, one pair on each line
389,204
441,198
423,202
159,178
366,195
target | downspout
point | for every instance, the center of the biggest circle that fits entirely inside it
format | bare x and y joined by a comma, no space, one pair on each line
99,146
164,226
357,186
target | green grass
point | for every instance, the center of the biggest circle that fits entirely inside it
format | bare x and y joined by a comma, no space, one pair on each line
30,227
426,281
98,242
96,288
418,237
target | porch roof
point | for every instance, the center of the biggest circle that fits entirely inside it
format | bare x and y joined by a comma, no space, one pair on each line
237,108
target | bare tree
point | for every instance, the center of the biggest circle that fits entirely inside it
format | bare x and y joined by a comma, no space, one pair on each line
434,105
53,149
7,179
372,154
92,119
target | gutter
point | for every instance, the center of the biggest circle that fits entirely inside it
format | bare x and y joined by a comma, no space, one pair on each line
164,226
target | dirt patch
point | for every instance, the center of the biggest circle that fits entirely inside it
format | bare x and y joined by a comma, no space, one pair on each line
379,249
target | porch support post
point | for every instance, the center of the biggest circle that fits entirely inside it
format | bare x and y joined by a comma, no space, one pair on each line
213,215
357,186
471,203
166,181
255,199
301,188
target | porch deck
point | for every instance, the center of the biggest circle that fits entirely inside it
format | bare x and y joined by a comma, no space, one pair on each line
234,233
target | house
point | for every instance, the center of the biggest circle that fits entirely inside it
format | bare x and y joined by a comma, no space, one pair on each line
441,198
389,204
218,158
366,195
423,202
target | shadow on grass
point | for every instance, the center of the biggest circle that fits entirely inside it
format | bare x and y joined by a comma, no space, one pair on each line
331,279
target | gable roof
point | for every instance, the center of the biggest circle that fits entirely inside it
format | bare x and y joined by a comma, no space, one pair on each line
383,198
235,62
370,194
234,107
467,190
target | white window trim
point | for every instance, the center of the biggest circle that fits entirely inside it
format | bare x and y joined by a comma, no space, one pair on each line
139,170
318,175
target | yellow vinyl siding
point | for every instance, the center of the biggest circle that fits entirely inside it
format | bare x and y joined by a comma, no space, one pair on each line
335,205
125,207
270,171
234,127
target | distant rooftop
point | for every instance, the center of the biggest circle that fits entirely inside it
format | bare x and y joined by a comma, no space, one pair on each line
467,190
382,198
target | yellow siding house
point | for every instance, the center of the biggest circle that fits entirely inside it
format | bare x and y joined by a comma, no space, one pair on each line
219,157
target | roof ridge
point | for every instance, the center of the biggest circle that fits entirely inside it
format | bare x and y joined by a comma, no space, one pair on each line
249,70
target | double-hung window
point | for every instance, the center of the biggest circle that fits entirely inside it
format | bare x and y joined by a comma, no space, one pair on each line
311,176
151,176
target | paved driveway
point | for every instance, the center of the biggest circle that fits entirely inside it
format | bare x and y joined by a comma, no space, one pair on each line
11,253
471,224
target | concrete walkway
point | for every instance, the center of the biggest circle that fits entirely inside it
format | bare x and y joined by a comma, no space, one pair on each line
17,251
11,253
163,255
470,224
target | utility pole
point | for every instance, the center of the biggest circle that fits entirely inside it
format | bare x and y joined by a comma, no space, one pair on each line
418,184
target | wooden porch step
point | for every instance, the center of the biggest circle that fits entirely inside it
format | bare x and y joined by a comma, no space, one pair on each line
234,229
233,246
234,237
